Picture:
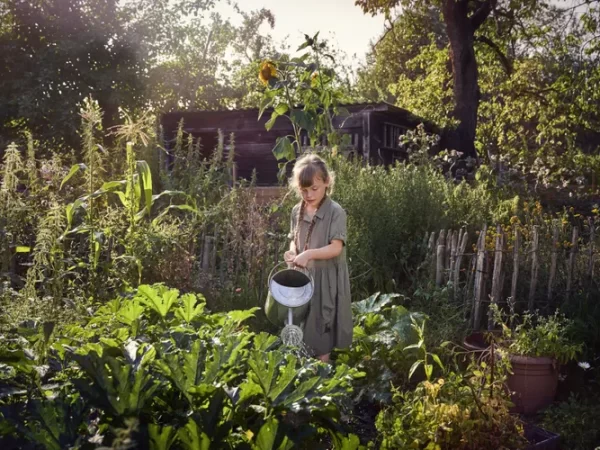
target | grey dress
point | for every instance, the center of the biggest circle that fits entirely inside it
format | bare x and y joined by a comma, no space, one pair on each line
328,324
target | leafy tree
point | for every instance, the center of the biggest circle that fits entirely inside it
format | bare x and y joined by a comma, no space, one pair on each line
55,53
537,75
463,19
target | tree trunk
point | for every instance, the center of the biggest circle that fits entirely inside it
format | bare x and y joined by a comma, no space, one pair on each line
461,34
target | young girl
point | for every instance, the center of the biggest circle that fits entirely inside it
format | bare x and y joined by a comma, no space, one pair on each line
318,234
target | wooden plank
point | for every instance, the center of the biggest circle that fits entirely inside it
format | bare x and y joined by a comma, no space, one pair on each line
534,267
516,256
459,257
441,250
553,262
591,250
207,253
455,241
478,291
453,250
431,255
469,282
448,255
571,266
366,133
224,255
497,277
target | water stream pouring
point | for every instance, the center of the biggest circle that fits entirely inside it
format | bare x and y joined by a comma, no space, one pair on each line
290,291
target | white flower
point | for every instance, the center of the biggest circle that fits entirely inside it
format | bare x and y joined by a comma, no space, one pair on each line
584,365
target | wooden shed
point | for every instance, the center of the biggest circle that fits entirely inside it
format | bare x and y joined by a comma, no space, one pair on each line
374,129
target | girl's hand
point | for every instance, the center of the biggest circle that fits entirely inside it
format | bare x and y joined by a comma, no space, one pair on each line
302,259
289,257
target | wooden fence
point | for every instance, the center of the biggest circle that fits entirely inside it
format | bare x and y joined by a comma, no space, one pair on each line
225,259
545,271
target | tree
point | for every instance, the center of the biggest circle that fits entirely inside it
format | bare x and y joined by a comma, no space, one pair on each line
462,19
538,76
54,54
157,54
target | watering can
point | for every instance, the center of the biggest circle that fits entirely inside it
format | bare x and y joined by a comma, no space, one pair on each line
288,301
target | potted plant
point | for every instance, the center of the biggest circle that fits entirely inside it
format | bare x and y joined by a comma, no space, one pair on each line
536,346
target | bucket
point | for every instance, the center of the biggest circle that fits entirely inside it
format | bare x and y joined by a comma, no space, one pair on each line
290,291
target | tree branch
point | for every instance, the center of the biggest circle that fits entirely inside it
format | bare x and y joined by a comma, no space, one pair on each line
503,59
482,13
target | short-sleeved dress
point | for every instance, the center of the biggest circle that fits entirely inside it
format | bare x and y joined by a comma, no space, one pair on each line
328,324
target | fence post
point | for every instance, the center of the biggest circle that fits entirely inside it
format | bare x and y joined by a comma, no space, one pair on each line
572,256
461,251
591,251
535,265
441,248
479,285
207,253
431,255
453,250
448,253
516,256
553,261
497,277
224,255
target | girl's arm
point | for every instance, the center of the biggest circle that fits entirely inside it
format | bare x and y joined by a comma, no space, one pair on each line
328,252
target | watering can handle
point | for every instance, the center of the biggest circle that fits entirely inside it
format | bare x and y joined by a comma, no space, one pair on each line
298,268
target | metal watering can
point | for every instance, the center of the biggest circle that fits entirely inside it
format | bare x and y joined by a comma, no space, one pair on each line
288,301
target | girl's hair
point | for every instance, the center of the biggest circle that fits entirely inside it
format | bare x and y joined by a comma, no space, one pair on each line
306,168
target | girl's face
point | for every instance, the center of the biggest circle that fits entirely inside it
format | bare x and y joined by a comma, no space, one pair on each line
314,194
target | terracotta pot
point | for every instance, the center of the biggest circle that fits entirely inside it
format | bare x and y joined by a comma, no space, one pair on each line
533,383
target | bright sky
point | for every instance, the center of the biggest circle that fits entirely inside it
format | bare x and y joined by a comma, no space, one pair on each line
338,20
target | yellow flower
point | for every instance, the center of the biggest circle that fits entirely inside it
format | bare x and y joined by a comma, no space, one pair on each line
595,211
314,75
266,72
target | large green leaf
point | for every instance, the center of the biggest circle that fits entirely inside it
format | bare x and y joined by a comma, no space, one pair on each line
373,304
130,312
74,169
190,308
225,362
284,149
303,119
161,438
118,387
269,437
184,369
193,438
146,178
279,110
55,424
160,299
239,316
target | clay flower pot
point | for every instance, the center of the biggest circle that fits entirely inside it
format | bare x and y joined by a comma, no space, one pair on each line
533,383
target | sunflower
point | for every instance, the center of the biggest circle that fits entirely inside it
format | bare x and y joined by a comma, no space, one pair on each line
266,72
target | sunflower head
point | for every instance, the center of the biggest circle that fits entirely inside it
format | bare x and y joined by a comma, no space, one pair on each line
267,71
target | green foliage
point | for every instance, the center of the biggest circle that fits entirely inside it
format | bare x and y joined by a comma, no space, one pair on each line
537,65
577,420
178,380
382,332
303,90
467,410
145,52
389,211
536,335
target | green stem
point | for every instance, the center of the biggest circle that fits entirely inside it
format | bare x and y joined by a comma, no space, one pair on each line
294,125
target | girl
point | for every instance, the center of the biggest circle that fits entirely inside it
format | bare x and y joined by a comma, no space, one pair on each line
318,239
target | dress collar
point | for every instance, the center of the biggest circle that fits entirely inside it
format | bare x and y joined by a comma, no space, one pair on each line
320,212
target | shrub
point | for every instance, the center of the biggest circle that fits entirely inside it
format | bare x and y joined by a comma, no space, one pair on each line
156,367
460,411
